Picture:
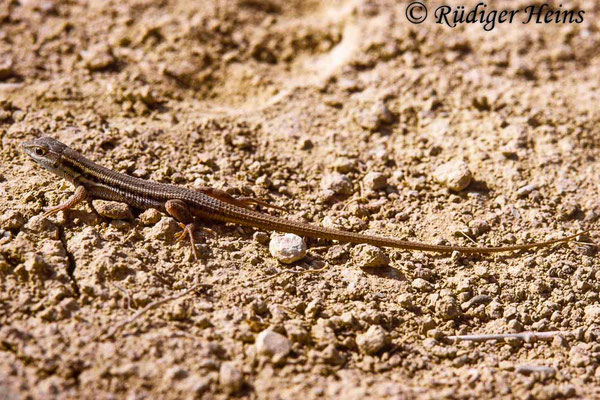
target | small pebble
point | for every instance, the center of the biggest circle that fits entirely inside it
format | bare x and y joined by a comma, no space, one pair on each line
35,265
305,143
592,313
230,378
375,181
454,175
336,253
150,217
349,85
332,356
369,256
296,332
12,220
405,300
515,325
373,340
313,308
336,184
261,237
344,165
526,190
165,228
287,248
447,308
479,226
374,117
272,345
196,384
579,356
98,57
176,374
422,285
480,299
6,69
113,209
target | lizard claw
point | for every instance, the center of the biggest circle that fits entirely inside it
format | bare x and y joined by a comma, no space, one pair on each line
188,230
51,211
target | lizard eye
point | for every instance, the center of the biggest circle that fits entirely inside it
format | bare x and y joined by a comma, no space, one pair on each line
40,151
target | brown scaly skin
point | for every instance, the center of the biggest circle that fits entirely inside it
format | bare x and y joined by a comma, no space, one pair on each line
93,181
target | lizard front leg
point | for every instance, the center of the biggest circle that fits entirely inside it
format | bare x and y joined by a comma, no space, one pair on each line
80,195
179,210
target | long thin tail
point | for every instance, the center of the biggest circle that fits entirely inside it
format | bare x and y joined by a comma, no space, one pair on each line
242,216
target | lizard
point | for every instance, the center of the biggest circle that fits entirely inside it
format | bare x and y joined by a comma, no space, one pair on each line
189,206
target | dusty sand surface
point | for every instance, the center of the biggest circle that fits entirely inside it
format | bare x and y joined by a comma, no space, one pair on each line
341,112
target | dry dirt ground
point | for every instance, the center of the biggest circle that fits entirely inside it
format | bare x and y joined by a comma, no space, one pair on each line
278,99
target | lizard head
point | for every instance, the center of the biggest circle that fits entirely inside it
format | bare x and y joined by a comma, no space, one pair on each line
47,152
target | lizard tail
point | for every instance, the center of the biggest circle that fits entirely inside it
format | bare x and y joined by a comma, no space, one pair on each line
243,216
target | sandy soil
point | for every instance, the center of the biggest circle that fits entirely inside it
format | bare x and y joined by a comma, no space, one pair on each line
273,98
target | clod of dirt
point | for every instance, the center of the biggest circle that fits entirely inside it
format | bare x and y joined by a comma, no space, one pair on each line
296,332
12,220
373,340
230,378
150,217
273,345
287,248
344,165
165,228
332,356
98,57
454,175
374,117
422,285
447,308
375,181
336,184
113,209
526,190
406,301
366,255
6,69
261,237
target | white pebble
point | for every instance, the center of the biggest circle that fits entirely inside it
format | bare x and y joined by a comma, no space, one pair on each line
272,344
455,175
287,248
592,313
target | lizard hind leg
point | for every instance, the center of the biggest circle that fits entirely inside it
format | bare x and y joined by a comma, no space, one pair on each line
179,210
